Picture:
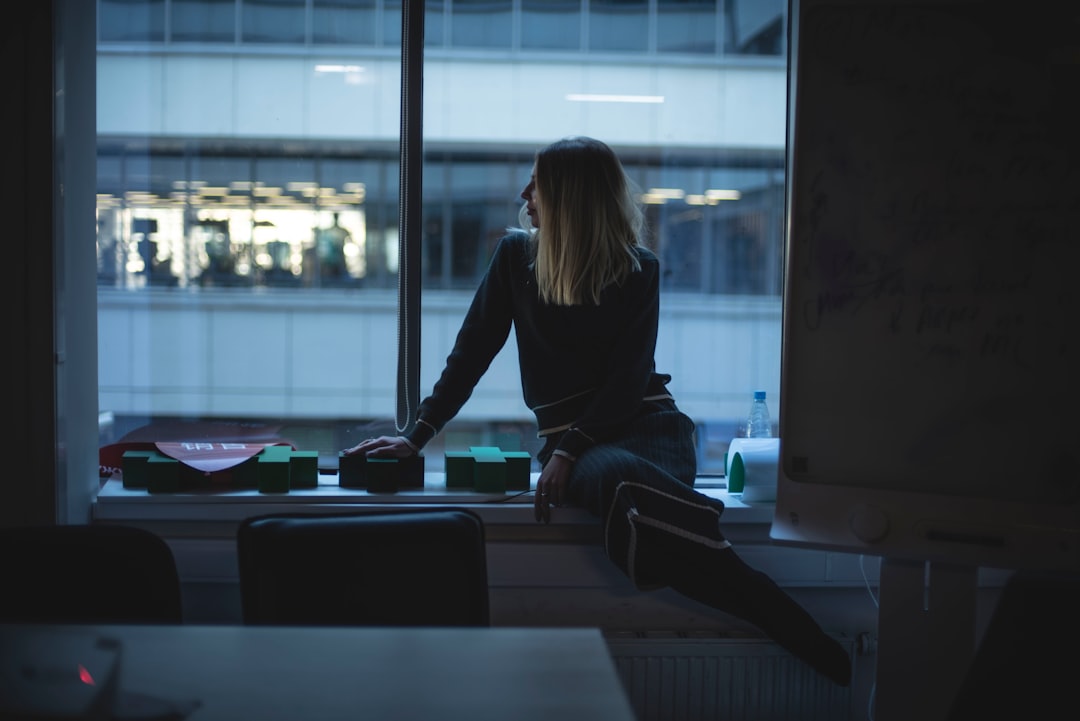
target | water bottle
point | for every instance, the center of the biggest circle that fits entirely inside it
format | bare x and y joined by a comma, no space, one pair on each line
759,425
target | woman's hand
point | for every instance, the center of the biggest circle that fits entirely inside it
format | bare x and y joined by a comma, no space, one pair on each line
551,487
382,447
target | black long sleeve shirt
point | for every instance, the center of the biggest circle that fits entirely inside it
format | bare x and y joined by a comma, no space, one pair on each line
585,369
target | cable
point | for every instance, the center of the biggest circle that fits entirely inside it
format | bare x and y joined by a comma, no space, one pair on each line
873,687
862,569
504,499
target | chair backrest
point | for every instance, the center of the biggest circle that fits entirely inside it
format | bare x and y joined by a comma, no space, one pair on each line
90,573
422,567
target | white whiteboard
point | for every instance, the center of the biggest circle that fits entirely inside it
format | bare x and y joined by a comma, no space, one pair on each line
931,292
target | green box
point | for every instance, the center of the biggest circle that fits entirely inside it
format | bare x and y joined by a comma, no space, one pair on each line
459,469
133,470
411,473
518,470
383,475
489,473
162,474
352,470
304,469
273,469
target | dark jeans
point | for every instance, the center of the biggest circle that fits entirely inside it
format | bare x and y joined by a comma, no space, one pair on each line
644,481
661,532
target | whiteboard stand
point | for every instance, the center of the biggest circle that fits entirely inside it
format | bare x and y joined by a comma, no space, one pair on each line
926,637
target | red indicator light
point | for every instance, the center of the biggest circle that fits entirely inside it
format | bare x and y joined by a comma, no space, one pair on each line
85,676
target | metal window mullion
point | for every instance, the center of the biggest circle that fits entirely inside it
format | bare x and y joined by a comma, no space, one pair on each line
410,210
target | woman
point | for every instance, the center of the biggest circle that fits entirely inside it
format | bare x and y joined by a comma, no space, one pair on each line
582,295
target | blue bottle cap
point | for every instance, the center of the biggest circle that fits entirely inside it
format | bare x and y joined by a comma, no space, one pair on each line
759,395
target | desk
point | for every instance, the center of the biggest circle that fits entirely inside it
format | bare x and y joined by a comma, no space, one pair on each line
268,673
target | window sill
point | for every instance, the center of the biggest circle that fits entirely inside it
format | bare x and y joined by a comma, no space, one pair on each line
117,504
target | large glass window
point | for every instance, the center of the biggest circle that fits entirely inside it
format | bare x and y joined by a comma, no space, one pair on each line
258,194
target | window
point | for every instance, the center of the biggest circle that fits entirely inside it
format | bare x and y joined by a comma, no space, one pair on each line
754,27
273,21
206,21
131,20
551,25
343,22
619,25
480,23
686,26
248,250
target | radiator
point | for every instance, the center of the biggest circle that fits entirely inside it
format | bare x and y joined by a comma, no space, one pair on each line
684,677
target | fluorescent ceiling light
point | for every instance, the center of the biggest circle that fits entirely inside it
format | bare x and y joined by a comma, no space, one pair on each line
335,68
604,98
670,193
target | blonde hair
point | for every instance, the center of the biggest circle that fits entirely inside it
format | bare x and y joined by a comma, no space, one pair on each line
590,222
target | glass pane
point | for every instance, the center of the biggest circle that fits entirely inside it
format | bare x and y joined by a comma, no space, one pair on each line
272,21
754,27
687,26
715,210
551,24
204,21
481,23
131,20
343,21
267,194
466,206
619,25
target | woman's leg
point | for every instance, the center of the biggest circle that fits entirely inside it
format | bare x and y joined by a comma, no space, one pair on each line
661,532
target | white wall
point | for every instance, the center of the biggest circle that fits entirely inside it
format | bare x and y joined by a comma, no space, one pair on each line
467,101
333,354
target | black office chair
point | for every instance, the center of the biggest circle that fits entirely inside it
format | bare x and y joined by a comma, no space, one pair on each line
422,567
92,573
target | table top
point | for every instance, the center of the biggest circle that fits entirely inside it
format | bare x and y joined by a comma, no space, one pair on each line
209,672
